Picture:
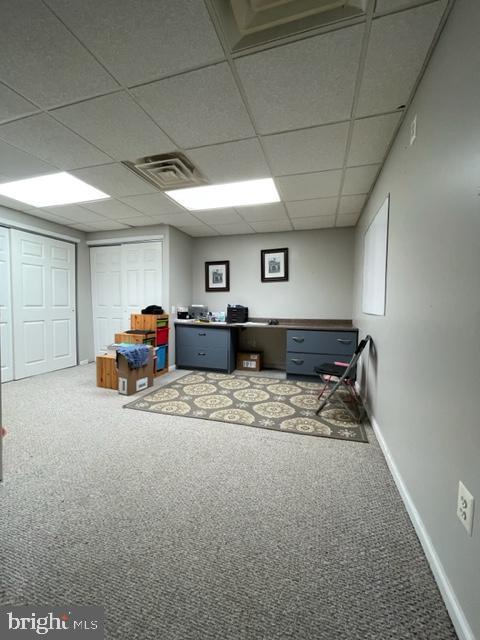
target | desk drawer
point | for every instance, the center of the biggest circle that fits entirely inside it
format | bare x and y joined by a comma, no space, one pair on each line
202,357
335,342
202,337
304,363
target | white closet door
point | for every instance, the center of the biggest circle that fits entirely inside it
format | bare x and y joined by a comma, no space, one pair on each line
6,337
108,311
125,278
44,321
142,276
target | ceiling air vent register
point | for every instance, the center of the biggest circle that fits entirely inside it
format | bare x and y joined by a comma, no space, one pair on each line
167,171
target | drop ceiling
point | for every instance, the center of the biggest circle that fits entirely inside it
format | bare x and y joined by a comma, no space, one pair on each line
87,85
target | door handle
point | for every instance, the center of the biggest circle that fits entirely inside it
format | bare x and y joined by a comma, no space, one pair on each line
297,339
201,353
297,360
344,340
202,334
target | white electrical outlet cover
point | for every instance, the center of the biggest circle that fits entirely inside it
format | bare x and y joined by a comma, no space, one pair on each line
465,507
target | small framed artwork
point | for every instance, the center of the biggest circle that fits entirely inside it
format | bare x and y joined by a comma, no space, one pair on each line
274,263
217,276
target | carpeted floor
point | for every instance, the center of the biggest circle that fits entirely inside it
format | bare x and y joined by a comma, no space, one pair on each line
256,401
185,530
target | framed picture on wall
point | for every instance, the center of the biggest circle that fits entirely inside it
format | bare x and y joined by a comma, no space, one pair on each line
217,276
274,265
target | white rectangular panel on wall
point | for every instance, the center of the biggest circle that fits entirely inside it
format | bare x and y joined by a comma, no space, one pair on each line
375,262
125,278
43,296
108,312
6,335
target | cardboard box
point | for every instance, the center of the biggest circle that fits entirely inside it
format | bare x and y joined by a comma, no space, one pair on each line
134,380
249,361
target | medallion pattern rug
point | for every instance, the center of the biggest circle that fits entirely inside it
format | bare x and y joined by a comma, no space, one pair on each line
255,401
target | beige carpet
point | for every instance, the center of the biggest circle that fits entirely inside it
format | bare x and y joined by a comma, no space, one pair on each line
254,401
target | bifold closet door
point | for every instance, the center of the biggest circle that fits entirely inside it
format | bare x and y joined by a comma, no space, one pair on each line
108,311
6,335
142,276
125,278
43,294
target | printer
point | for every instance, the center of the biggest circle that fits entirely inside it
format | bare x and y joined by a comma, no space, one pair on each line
237,313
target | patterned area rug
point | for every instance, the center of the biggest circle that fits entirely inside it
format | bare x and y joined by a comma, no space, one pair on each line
256,401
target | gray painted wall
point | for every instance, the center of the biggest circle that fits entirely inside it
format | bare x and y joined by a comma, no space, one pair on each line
321,274
84,301
180,277
423,380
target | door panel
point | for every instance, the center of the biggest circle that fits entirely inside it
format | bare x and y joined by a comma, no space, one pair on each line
108,313
6,336
44,320
125,278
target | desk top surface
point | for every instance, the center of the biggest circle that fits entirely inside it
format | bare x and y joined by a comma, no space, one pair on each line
283,323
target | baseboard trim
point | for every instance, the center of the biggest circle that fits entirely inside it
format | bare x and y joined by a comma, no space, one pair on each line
82,362
462,627
172,367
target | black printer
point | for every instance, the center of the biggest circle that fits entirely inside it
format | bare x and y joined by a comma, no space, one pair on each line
237,313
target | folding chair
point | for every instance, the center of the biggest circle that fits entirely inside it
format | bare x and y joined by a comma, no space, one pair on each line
342,375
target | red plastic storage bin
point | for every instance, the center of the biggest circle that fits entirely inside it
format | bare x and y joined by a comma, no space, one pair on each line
162,336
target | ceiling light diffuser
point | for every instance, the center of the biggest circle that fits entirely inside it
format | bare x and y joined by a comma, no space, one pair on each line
231,194
52,189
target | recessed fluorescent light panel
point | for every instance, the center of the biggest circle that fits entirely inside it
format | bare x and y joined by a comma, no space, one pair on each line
52,189
231,194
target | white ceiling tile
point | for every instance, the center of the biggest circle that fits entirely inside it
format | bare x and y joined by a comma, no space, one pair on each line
13,105
139,221
309,185
152,204
359,179
321,222
112,209
263,212
16,164
313,149
347,219
218,216
386,6
199,230
107,225
82,227
179,219
305,83
312,208
51,141
371,137
231,161
146,39
117,125
271,226
198,108
351,204
237,228
76,213
51,217
45,62
396,51
114,179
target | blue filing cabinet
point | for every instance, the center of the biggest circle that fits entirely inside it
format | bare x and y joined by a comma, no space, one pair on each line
306,349
199,347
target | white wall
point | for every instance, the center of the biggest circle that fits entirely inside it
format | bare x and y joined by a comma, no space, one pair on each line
423,376
320,283
84,302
